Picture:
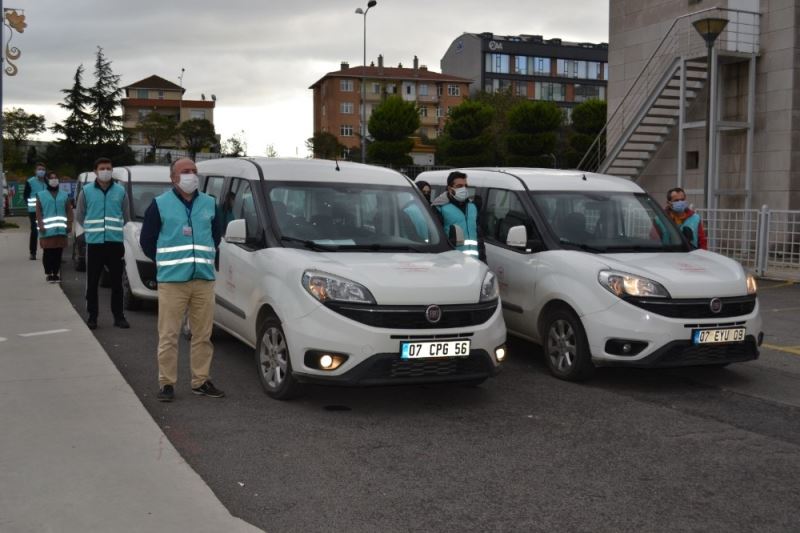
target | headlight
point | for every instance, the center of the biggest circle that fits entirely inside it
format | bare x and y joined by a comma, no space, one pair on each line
489,288
752,286
622,284
329,288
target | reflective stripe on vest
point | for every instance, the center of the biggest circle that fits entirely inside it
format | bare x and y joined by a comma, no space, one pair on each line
54,213
36,185
468,222
103,222
181,257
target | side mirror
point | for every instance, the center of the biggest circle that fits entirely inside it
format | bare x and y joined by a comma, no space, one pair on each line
456,235
517,237
236,232
689,234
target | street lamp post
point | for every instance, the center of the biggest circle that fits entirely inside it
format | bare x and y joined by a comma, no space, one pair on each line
13,19
364,12
709,29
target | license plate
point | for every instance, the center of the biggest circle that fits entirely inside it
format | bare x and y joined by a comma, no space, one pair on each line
421,350
715,336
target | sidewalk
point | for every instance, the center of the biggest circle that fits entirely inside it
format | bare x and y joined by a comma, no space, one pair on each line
78,451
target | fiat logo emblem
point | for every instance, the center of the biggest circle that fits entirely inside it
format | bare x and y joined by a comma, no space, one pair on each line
716,305
433,314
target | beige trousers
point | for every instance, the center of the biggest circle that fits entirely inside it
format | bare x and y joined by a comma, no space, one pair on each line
173,300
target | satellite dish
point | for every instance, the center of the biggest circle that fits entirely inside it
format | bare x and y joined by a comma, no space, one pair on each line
214,97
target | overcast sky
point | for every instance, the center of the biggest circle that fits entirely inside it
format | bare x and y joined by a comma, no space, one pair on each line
260,58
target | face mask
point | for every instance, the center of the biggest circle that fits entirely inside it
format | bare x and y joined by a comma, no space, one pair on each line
104,175
679,206
53,183
188,183
461,194
40,173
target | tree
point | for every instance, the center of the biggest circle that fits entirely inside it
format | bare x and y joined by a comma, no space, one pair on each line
532,137
18,125
325,145
106,96
466,140
270,151
197,133
77,100
157,129
391,125
588,120
235,146
501,102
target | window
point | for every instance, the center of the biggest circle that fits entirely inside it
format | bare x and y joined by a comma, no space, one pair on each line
497,63
439,112
423,89
521,65
198,113
214,186
503,211
346,86
496,86
408,90
550,91
346,130
143,194
539,65
160,95
605,71
692,160
453,90
593,70
144,112
376,88
346,108
423,111
439,90
588,92
142,93
521,88
391,88
244,207
568,67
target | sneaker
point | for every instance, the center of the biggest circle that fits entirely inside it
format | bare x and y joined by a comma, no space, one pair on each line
33,257
56,278
92,322
166,393
208,389
121,323
49,278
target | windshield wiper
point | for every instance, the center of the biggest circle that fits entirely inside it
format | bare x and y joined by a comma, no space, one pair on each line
311,245
376,247
582,246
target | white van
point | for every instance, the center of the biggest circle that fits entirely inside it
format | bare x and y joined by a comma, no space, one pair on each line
338,273
591,268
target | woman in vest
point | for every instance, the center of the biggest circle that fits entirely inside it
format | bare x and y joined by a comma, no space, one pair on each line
54,220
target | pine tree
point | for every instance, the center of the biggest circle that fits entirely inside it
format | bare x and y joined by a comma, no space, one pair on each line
76,126
106,96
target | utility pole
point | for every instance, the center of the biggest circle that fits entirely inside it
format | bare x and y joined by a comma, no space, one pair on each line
14,20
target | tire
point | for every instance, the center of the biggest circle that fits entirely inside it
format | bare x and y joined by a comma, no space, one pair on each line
129,301
273,363
78,262
566,350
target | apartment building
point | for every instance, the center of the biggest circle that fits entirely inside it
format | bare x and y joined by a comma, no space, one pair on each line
337,101
156,94
530,66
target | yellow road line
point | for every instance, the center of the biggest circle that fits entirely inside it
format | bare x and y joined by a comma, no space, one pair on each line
795,350
780,285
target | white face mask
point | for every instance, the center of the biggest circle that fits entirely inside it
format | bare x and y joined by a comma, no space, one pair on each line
461,194
188,183
53,182
104,175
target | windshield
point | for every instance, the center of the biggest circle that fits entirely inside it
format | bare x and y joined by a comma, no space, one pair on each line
348,216
608,222
142,195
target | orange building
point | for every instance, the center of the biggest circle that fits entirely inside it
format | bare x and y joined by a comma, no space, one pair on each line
337,100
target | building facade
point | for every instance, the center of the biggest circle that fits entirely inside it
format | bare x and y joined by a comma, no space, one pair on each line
158,95
530,66
337,101
751,156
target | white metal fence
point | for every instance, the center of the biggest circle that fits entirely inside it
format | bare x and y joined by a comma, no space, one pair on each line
764,240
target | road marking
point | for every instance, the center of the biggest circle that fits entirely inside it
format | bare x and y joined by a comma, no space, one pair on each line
795,350
3,339
781,309
37,333
780,285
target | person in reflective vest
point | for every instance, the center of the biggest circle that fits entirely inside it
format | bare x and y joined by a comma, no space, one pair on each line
35,183
678,210
103,209
53,212
181,234
454,207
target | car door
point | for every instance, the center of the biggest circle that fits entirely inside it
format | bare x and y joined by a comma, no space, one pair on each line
516,268
238,264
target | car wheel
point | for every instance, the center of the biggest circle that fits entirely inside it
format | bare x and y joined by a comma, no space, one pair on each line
272,360
129,301
78,262
566,349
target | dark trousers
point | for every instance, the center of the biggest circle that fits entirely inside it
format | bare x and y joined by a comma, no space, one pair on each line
51,259
34,239
109,255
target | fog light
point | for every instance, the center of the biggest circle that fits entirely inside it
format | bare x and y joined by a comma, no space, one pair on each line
151,284
326,362
626,348
500,354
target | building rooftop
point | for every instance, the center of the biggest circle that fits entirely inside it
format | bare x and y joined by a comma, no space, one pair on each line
391,73
155,82
537,39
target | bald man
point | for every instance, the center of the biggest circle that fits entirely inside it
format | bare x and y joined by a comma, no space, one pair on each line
181,236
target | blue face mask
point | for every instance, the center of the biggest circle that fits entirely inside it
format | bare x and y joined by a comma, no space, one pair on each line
40,173
679,206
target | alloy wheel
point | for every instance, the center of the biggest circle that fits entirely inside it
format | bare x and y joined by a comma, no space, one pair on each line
561,345
273,357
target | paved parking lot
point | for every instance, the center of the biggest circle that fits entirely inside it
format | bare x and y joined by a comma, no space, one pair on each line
631,450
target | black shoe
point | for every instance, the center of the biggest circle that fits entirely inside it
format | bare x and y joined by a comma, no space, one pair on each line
33,257
92,322
121,323
166,393
56,278
208,389
49,278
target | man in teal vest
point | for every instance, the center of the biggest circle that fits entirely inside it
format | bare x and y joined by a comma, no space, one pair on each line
103,209
678,210
34,184
454,207
181,235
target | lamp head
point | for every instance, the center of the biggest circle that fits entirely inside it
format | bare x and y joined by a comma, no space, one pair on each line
359,11
371,3
710,28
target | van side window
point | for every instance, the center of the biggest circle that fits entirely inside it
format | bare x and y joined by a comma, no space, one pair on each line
502,211
214,186
244,207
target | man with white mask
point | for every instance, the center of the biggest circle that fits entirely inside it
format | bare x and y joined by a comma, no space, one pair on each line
181,235
454,207
103,209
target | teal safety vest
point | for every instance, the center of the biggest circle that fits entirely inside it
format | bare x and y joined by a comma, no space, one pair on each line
468,222
185,247
54,213
693,223
36,185
104,218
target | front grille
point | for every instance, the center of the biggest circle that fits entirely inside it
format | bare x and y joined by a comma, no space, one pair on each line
703,354
413,316
390,367
696,307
